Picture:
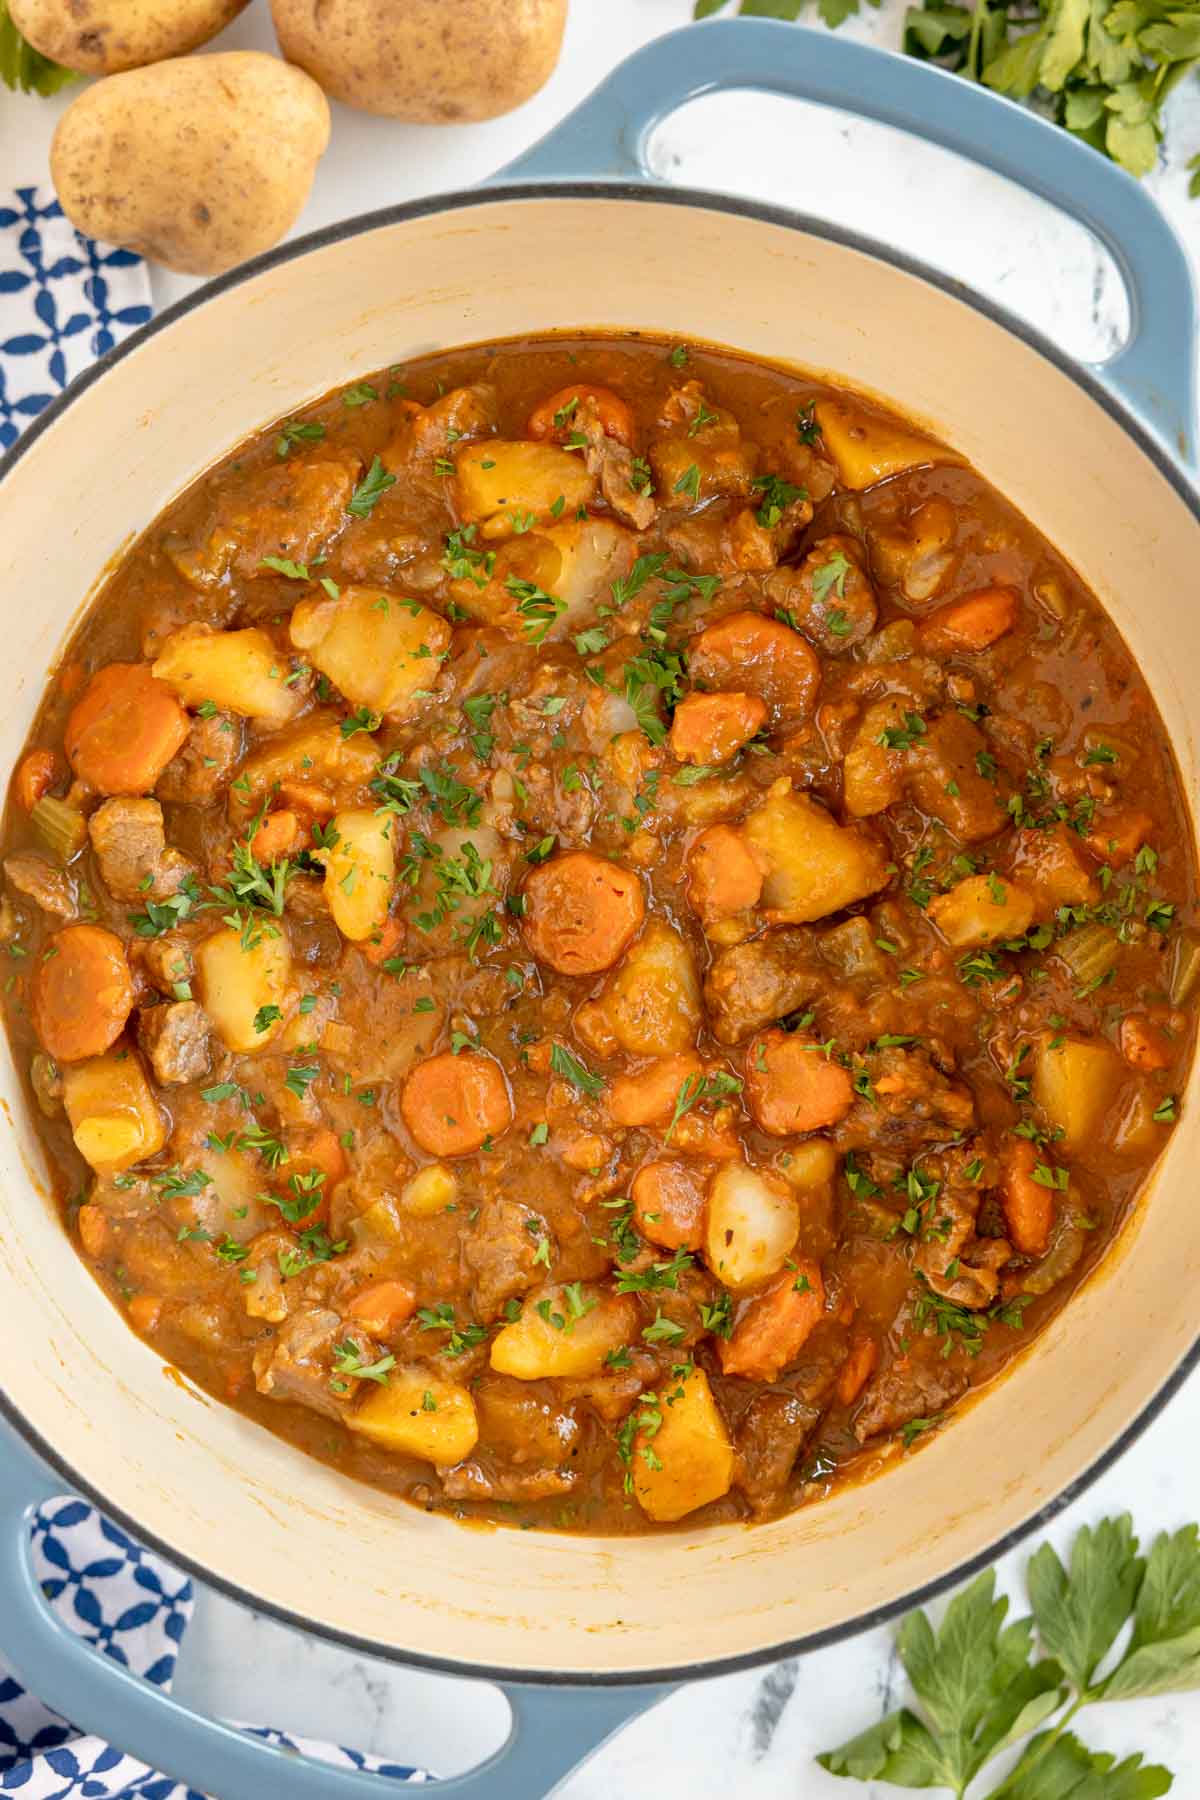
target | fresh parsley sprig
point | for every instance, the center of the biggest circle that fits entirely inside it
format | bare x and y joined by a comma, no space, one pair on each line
984,1686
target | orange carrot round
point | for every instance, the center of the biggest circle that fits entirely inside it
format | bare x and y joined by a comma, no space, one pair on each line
751,653
857,1369
615,416
82,993
710,728
124,730
648,1097
971,623
668,1203
723,876
774,1327
1028,1203
453,1104
382,1306
40,771
279,835
93,1230
581,912
791,1085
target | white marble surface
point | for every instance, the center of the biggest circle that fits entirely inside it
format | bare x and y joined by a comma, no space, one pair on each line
750,1736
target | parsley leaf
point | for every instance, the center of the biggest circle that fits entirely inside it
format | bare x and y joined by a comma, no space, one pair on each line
370,490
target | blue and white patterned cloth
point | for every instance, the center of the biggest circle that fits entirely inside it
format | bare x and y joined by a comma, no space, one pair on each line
64,301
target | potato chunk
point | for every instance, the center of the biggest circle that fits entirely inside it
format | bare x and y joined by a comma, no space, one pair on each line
360,869
419,1414
868,448
652,1003
564,1331
313,752
378,649
1074,1084
239,671
981,909
814,865
502,483
237,983
430,1191
682,1456
113,1116
753,1222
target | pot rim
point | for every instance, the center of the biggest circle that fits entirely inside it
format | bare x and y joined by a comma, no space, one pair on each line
1094,386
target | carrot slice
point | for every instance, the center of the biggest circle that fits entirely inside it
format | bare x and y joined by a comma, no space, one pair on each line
556,417
581,912
383,1306
391,936
1145,1045
145,1310
751,653
972,623
124,730
453,1104
791,1085
668,1203
723,876
82,993
1028,1205
710,728
775,1325
39,772
857,1369
649,1096
280,834
93,1230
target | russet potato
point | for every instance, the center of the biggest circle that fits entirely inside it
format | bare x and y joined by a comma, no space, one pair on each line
433,62
196,163
103,37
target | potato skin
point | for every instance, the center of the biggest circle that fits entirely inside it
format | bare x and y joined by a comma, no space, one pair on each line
433,62
196,163
102,37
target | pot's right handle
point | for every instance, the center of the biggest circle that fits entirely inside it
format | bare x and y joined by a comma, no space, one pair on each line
607,137
554,1729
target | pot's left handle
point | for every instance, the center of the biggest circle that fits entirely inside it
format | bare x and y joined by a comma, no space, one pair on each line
553,1729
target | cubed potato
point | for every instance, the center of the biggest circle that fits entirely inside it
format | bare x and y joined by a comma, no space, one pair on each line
236,982
1075,1081
814,865
593,553
652,1002
239,671
1137,1132
1051,866
313,752
980,910
503,483
810,1168
871,773
491,589
419,1414
380,650
564,1331
682,1456
113,1115
753,1222
868,447
359,855
431,1190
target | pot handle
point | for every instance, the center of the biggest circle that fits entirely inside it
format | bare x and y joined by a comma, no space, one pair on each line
606,137
553,1729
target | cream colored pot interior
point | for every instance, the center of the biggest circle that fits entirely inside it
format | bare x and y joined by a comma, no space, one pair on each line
228,1496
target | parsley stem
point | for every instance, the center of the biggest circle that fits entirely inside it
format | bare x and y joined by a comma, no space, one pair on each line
1032,1759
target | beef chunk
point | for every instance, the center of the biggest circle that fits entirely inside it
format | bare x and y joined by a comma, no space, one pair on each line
756,983
946,779
913,1387
769,1439
167,961
295,1365
130,846
175,1039
500,1255
36,878
528,1443
204,765
829,594
289,510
